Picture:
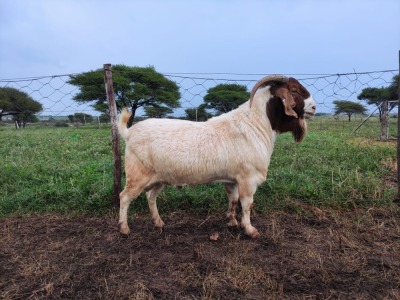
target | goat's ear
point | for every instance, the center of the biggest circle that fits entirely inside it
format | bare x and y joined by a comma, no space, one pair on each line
287,100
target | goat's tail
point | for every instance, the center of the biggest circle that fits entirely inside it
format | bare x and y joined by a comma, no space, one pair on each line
123,121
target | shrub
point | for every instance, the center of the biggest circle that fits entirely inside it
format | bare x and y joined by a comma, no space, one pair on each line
61,124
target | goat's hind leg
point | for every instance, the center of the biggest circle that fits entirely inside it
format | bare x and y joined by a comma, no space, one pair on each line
233,196
151,200
137,178
125,199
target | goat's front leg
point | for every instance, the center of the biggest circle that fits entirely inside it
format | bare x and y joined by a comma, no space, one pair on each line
246,192
151,200
233,196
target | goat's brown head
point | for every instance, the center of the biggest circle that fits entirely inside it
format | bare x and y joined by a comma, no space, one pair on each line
289,104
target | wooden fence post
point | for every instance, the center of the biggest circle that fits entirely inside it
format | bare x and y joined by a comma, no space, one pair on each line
114,132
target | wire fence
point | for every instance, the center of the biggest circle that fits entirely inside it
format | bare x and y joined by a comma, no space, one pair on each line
56,94
60,99
325,88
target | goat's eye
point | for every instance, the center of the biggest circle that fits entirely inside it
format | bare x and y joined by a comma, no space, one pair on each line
294,91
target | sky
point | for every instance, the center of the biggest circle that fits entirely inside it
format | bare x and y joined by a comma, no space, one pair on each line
53,37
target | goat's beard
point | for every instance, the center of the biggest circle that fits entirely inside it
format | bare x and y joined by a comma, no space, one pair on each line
281,123
299,130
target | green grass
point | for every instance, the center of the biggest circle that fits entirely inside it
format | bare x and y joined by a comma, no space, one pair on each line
55,169
69,170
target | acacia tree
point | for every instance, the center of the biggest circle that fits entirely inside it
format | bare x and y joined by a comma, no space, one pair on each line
348,108
381,97
376,96
5,101
134,87
158,112
80,117
226,97
197,114
18,104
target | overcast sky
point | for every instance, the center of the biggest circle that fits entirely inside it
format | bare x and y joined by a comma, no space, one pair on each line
55,37
52,37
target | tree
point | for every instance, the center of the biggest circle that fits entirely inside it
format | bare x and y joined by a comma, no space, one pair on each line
197,114
18,104
22,118
134,87
158,112
376,96
394,87
381,97
226,97
6,96
104,118
82,117
348,108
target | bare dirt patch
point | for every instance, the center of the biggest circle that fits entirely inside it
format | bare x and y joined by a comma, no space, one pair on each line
318,254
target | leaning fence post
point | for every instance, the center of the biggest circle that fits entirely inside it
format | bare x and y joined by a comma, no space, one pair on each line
114,132
398,138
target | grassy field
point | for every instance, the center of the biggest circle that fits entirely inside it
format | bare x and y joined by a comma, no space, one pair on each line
69,171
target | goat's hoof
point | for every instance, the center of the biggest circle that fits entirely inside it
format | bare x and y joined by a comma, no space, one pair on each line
233,223
159,223
253,233
124,230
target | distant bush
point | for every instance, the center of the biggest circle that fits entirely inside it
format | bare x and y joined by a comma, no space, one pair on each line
61,124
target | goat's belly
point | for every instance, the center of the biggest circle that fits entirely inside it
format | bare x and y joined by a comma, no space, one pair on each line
192,183
191,178
196,181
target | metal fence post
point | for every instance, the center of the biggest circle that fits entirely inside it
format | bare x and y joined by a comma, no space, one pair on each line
384,120
398,139
114,132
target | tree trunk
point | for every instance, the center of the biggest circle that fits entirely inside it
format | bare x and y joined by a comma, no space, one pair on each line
133,111
380,113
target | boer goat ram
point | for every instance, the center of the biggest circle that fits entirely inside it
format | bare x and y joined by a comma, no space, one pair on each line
234,148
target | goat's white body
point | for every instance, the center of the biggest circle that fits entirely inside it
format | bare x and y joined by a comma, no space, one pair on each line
234,148
224,148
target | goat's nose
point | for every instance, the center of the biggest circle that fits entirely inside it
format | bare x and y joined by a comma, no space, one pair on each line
314,107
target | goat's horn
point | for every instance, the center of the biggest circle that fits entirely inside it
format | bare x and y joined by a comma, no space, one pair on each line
263,81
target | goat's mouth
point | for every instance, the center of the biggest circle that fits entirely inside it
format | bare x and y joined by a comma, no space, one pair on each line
308,114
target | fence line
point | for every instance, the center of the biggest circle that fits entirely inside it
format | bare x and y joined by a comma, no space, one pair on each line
56,94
